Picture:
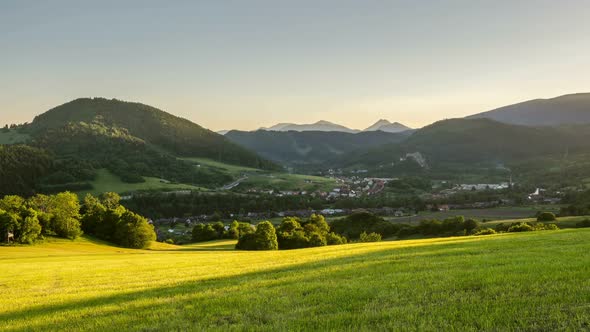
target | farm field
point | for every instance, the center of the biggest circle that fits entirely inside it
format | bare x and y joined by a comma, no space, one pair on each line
530,281
107,182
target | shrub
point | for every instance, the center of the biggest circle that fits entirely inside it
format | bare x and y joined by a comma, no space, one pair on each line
265,238
371,237
484,231
503,227
134,231
546,216
335,239
583,223
470,225
169,241
521,227
353,225
204,232
551,227
295,240
317,240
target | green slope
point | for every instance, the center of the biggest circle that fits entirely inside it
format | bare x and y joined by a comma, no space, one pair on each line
527,281
482,146
105,181
176,135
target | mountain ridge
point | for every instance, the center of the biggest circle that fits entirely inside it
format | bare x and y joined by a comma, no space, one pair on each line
569,109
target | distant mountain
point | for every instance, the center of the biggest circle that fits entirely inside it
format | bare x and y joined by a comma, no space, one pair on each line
318,126
222,132
564,110
386,126
309,147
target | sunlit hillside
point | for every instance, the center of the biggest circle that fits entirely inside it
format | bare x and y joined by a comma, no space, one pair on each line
534,281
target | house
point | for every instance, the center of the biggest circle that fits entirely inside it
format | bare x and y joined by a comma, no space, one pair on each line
444,208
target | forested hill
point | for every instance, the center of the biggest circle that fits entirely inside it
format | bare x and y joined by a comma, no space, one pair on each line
68,145
176,135
472,141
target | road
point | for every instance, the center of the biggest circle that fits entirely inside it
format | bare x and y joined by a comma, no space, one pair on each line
235,183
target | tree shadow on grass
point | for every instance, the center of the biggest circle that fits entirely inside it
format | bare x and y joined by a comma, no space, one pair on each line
338,289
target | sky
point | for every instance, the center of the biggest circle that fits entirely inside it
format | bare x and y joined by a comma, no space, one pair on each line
249,64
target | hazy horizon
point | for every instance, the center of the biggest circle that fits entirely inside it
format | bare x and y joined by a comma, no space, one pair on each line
237,65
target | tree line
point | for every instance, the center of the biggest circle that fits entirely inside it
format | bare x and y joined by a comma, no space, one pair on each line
292,233
61,215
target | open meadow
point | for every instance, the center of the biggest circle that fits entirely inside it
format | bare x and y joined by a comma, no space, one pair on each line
528,281
106,181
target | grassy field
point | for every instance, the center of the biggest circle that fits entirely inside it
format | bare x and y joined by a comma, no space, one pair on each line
526,281
232,169
106,181
288,182
12,137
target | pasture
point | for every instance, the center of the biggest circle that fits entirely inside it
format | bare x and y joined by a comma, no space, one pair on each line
108,182
524,281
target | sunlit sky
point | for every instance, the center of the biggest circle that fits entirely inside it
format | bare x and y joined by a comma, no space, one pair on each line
247,64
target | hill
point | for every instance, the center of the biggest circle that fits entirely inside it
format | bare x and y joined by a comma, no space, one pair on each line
135,142
384,125
459,145
318,126
309,148
525,281
564,110
166,131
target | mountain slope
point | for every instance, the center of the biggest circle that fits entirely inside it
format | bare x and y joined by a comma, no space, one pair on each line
174,134
563,110
309,147
386,126
318,126
469,142
129,140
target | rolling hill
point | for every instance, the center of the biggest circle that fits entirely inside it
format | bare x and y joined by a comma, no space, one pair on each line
135,142
308,148
158,128
564,110
515,281
469,144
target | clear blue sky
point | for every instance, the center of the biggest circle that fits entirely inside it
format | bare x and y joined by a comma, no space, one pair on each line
246,64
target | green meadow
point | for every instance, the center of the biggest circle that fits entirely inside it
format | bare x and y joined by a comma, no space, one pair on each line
513,281
108,182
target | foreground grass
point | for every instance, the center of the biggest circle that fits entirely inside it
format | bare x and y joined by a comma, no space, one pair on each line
530,281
